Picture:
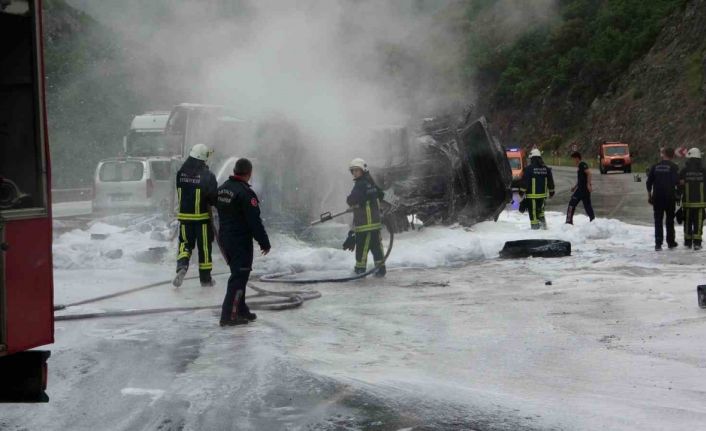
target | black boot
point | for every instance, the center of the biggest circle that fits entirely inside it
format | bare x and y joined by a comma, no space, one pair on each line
697,245
360,270
687,243
234,322
381,272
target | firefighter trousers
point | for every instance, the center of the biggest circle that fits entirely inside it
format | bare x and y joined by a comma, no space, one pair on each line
535,209
200,235
693,225
366,242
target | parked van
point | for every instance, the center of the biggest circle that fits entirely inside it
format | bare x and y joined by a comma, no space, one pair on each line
134,183
614,156
518,161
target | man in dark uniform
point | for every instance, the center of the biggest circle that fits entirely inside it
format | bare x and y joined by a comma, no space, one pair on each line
537,185
581,191
367,219
692,182
196,191
662,183
239,222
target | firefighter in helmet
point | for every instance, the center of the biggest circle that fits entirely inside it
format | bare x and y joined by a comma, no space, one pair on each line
692,182
366,235
196,192
537,186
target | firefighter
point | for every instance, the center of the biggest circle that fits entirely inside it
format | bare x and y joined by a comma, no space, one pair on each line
239,222
692,182
196,192
537,185
581,191
366,235
662,190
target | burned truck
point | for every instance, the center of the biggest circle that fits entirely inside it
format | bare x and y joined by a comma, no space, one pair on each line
445,173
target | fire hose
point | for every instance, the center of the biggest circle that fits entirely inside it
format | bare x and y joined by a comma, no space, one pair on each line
279,277
290,299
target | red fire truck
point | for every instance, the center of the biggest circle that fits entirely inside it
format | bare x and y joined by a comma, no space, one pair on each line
26,290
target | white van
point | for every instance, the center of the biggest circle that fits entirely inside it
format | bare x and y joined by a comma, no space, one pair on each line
134,183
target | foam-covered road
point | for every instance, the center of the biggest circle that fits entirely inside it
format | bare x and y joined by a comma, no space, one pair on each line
453,338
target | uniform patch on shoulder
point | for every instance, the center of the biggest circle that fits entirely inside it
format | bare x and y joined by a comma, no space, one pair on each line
253,202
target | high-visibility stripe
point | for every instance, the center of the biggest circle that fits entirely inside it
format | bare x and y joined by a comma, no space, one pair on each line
204,233
534,186
701,192
694,205
368,213
535,220
192,217
183,255
197,202
700,226
179,197
367,227
687,225
205,266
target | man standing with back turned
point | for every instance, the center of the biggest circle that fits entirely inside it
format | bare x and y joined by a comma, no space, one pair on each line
240,222
662,183
196,190
693,186
537,186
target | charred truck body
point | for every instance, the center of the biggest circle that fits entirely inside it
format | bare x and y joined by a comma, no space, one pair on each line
446,174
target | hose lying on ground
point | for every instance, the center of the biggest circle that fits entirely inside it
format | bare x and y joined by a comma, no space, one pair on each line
291,299
278,277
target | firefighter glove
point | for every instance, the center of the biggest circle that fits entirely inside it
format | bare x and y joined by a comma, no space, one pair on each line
349,244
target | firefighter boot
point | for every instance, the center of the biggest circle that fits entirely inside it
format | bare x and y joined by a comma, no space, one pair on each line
360,271
208,283
697,245
687,243
381,272
179,278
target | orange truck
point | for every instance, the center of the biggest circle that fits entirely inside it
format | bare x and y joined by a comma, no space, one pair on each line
614,156
518,161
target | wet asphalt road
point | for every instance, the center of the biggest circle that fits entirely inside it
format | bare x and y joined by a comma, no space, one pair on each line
615,195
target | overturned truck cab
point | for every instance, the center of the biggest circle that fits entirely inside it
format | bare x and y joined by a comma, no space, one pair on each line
448,174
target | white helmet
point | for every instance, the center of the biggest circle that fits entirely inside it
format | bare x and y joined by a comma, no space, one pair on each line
358,163
693,153
200,152
535,153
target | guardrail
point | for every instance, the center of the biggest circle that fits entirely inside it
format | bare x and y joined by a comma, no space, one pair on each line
71,195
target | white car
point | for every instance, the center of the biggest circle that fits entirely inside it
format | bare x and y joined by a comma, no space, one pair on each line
134,183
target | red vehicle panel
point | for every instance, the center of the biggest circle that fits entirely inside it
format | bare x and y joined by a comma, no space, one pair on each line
26,286
28,279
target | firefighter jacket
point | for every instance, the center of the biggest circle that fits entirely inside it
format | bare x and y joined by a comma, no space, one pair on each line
365,200
196,190
538,181
663,181
693,179
240,222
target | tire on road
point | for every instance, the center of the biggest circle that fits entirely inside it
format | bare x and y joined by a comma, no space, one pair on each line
535,248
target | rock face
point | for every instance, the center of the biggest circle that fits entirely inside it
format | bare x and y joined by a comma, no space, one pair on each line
661,100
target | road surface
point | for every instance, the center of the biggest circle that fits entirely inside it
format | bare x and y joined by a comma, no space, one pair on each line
453,339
